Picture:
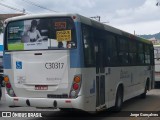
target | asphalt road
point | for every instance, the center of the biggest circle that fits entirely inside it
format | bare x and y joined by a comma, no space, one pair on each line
136,105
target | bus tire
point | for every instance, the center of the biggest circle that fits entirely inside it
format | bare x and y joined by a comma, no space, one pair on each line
119,99
143,95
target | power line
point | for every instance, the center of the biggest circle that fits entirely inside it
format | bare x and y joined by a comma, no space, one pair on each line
32,3
4,5
2,11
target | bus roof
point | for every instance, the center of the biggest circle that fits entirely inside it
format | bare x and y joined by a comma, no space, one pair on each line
102,26
80,18
31,16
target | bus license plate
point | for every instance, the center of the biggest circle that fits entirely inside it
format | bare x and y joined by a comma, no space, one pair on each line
41,87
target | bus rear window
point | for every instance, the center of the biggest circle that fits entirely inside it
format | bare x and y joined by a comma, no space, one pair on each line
46,33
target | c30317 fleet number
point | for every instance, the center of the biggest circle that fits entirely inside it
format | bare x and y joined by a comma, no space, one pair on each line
54,65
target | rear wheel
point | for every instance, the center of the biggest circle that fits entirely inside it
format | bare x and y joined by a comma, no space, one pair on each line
143,95
119,100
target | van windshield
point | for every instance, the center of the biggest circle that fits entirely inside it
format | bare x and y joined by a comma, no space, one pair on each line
45,33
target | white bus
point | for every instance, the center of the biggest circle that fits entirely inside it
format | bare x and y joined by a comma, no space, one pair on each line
73,62
157,64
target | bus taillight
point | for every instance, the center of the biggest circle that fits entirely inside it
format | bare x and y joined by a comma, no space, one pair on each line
75,86
77,79
74,17
6,79
9,88
8,85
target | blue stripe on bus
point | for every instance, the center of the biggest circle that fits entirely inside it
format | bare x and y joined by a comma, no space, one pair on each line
1,48
76,55
7,63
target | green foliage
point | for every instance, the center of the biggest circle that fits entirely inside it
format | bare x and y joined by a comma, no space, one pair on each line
157,36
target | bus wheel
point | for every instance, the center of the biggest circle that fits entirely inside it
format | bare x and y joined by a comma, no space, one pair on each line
119,100
143,95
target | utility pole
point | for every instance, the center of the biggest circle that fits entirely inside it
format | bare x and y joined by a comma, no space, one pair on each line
158,3
24,11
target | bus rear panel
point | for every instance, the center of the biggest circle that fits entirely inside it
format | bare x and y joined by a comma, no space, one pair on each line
45,66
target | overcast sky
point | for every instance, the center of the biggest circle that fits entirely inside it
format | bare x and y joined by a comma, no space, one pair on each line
143,16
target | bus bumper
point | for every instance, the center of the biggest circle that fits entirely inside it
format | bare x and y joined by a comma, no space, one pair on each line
77,103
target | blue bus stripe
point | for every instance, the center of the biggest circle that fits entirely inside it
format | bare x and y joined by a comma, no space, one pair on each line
76,55
7,61
1,48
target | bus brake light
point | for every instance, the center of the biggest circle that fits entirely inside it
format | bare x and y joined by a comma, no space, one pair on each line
75,86
74,17
8,85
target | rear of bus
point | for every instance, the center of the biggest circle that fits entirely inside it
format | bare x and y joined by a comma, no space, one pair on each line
44,72
157,64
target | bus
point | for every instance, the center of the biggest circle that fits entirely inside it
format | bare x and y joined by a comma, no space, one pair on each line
157,64
73,62
1,76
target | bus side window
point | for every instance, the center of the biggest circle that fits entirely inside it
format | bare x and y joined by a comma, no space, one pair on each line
147,54
132,52
111,50
141,56
87,36
123,51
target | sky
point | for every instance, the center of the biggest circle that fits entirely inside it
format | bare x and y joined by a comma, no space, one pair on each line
141,16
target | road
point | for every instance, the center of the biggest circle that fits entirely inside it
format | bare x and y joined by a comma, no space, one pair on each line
150,104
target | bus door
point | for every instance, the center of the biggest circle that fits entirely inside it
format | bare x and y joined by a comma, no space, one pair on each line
100,74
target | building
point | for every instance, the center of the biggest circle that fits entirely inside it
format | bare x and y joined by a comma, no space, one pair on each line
5,16
154,41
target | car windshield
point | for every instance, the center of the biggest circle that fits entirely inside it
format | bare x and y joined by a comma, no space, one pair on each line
46,33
